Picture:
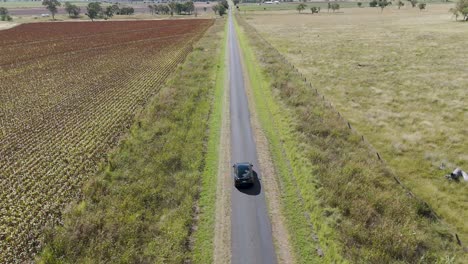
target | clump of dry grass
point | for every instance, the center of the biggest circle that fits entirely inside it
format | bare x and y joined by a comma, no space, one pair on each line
400,78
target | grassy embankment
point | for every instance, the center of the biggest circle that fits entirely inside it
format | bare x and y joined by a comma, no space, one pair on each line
400,78
330,175
140,207
203,237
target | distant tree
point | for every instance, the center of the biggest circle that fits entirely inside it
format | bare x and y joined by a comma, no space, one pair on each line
400,4
335,6
4,14
373,3
151,9
413,3
94,10
215,9
236,2
314,10
225,4
51,5
72,10
221,10
115,9
301,7
189,7
382,4
328,7
108,12
173,7
422,6
461,9
359,4
127,10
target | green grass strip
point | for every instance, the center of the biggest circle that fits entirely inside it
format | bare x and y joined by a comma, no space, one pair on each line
204,236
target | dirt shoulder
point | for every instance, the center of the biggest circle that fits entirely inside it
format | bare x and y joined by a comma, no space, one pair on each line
222,239
7,25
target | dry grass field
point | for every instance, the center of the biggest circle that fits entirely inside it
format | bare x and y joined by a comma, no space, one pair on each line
400,77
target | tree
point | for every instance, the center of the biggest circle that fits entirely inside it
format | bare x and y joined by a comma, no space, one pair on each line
413,3
215,9
359,4
127,10
108,13
4,14
301,7
373,3
236,2
328,7
189,7
400,4
225,4
72,10
221,10
383,4
151,9
335,6
51,5
94,10
422,6
115,9
461,8
314,10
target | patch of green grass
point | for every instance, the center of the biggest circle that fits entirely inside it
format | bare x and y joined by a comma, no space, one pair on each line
357,210
140,206
203,237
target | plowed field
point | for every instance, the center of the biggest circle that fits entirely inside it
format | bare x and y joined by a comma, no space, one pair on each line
67,93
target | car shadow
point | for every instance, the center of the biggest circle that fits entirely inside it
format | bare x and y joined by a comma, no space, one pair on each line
252,190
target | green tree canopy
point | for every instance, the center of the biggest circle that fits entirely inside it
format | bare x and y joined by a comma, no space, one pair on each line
72,10
94,10
52,5
301,7
461,8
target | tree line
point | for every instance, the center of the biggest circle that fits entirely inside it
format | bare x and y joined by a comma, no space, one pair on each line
173,8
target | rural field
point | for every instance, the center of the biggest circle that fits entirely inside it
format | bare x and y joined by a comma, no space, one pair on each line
399,77
261,135
68,92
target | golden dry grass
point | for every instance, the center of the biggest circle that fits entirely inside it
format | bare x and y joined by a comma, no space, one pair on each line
400,77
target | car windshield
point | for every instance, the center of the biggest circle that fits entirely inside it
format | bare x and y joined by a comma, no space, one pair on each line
243,171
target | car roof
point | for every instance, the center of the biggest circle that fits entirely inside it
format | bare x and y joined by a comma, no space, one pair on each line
243,164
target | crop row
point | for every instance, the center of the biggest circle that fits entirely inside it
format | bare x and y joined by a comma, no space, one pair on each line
62,113
38,32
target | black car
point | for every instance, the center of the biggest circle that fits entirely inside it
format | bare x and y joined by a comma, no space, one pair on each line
243,174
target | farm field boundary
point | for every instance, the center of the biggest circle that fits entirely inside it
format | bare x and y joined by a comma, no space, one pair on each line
352,201
60,115
141,206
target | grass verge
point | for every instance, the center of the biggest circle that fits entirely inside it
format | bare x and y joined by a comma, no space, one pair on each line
140,206
331,178
203,237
